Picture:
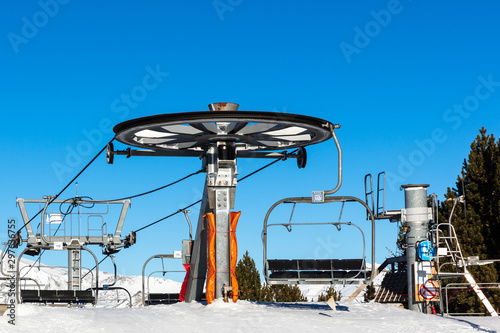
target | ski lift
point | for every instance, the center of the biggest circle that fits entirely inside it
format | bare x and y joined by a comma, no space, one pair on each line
319,271
79,225
219,137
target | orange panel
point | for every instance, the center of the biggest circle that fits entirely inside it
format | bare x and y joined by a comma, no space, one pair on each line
211,257
234,254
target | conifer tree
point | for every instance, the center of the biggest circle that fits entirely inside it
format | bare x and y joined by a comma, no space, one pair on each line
331,292
248,279
287,293
478,228
369,292
251,288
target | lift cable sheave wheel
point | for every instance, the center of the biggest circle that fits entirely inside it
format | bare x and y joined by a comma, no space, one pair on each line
247,130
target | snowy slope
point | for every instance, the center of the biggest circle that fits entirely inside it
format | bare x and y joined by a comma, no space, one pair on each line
50,278
243,316
55,278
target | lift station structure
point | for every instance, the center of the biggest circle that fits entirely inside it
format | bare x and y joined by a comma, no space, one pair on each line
218,137
70,225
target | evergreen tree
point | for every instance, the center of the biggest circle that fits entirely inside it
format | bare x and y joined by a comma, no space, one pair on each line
251,288
287,293
401,245
478,229
331,292
248,279
369,292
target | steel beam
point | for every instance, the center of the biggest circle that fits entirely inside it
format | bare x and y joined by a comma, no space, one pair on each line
198,266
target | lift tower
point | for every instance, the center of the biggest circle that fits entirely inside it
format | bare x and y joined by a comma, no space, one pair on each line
219,137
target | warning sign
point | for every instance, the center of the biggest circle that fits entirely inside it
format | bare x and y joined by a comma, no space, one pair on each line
428,290
424,270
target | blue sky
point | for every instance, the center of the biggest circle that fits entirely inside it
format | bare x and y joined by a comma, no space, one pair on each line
411,83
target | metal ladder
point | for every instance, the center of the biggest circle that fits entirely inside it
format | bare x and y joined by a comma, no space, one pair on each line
449,247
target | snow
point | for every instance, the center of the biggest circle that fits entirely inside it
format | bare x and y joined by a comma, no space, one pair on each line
244,316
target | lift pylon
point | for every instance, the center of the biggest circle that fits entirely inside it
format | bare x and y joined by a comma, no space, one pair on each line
219,137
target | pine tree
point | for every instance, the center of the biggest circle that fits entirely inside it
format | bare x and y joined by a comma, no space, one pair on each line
251,288
478,229
369,292
401,245
248,279
287,293
331,292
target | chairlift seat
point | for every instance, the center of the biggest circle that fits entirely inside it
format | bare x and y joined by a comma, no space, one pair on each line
162,298
316,270
57,296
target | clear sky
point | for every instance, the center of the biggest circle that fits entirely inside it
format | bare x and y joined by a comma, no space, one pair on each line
410,82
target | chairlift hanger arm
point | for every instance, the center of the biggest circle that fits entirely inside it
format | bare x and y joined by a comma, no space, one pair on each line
332,129
161,256
328,199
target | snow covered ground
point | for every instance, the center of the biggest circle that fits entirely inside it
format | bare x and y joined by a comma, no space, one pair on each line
242,316
113,313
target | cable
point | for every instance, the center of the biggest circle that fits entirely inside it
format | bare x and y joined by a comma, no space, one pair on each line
156,189
251,174
168,216
194,203
68,211
90,270
74,203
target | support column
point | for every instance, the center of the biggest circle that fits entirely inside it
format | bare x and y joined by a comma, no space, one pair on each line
198,267
74,269
222,242
221,178
417,224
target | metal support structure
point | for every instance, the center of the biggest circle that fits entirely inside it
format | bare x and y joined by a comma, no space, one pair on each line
416,219
219,137
198,266
73,231
81,235
74,269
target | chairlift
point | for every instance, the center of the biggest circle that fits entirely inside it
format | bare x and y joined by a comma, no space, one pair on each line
149,298
71,231
320,271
